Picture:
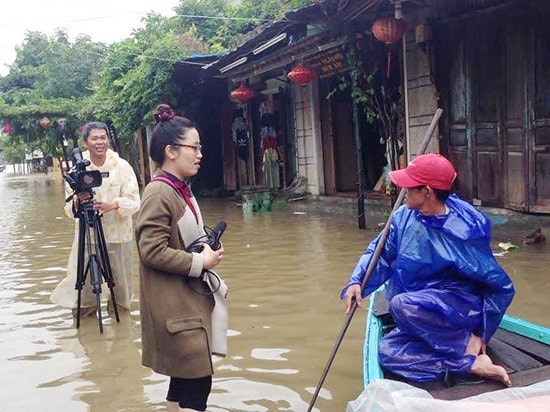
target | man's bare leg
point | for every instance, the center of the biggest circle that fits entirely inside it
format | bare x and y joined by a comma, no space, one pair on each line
483,366
474,345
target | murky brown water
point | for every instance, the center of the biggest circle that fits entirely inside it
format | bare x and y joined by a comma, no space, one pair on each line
284,270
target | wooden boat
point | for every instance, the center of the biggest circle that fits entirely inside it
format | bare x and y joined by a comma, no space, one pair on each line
521,347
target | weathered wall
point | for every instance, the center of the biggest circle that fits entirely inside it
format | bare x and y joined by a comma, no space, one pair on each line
308,136
421,94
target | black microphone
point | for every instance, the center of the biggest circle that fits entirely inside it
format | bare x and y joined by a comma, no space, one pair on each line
215,235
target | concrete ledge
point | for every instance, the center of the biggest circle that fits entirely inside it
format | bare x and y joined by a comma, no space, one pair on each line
376,210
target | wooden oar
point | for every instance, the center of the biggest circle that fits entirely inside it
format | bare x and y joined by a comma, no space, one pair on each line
372,264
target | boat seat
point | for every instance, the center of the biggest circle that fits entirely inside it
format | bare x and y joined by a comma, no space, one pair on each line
381,304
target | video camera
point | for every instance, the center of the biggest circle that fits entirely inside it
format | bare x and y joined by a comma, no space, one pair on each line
80,179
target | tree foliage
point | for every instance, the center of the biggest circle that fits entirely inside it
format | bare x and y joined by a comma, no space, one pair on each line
47,79
120,83
137,74
51,67
14,150
221,23
203,15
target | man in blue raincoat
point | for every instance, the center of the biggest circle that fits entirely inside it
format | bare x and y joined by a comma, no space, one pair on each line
447,293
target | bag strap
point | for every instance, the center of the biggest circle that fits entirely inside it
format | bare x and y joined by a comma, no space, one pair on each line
183,191
168,181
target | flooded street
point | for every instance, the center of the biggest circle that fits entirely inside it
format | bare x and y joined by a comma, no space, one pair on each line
284,269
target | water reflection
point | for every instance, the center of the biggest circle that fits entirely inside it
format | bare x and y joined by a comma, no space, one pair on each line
284,270
114,380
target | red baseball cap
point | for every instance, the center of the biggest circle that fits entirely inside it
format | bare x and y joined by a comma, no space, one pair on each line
429,169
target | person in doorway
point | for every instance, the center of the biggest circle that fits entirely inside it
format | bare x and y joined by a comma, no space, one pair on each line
183,308
447,293
117,199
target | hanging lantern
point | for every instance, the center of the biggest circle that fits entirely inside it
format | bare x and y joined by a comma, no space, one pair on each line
44,122
242,93
389,30
7,128
61,122
302,74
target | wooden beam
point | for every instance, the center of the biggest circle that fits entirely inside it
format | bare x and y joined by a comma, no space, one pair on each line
509,356
529,346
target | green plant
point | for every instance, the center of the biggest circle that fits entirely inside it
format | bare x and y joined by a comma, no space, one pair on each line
14,150
377,96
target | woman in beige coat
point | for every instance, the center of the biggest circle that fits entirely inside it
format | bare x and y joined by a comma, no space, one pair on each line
180,300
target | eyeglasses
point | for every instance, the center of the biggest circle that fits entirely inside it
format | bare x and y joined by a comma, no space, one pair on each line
197,147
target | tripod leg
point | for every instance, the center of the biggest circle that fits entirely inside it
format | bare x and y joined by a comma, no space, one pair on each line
115,306
80,272
78,308
105,262
99,315
95,277
93,264
79,301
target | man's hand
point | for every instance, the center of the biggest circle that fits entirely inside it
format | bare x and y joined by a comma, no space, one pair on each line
82,198
86,197
352,292
104,207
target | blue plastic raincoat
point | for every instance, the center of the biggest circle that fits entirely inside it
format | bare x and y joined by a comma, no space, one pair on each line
443,285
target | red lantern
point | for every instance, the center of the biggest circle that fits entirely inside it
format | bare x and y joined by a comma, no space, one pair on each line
7,128
389,30
302,74
242,93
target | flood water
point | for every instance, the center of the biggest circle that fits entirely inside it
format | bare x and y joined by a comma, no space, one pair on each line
284,270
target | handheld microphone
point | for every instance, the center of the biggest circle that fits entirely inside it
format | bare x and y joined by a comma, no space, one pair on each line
217,232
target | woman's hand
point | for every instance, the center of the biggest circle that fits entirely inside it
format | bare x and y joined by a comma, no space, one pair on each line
211,257
352,292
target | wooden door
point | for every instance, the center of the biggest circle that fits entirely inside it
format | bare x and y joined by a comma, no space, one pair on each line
473,54
494,82
229,157
516,140
346,165
538,88
527,114
486,89
455,92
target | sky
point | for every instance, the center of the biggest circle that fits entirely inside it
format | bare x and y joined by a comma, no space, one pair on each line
105,21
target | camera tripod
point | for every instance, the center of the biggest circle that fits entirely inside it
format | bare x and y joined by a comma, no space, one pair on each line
98,265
